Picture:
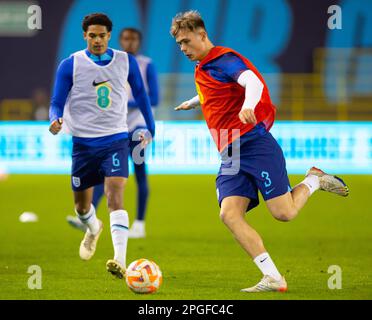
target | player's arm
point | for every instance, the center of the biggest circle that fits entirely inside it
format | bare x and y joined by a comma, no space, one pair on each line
253,91
139,94
189,104
153,84
62,87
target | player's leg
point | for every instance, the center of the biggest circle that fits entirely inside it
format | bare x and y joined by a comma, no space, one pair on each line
143,191
83,164
98,192
85,174
232,214
83,207
114,191
253,155
236,195
284,203
269,171
86,214
119,222
270,174
287,206
75,222
137,229
115,168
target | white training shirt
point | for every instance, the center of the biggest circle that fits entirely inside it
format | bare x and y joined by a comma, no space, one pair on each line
97,104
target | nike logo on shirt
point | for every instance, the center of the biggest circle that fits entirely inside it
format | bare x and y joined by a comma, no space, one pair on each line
95,84
114,170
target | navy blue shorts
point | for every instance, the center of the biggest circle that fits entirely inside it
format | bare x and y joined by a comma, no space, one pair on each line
90,165
260,166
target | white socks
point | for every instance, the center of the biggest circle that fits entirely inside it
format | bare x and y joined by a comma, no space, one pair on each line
90,220
267,266
312,182
119,222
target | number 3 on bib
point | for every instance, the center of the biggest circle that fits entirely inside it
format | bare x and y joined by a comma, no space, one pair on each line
103,96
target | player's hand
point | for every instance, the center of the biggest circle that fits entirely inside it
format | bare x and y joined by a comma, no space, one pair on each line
145,138
56,126
247,116
184,106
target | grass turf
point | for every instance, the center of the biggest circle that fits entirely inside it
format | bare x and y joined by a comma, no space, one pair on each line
197,254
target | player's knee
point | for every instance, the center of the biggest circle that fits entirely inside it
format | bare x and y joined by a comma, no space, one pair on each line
82,208
285,214
114,187
114,194
228,215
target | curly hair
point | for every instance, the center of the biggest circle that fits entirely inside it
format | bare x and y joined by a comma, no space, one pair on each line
97,19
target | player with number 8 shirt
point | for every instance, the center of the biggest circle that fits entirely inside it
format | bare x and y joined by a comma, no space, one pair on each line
90,101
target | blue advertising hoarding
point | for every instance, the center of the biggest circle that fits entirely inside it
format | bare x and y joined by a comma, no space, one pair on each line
187,148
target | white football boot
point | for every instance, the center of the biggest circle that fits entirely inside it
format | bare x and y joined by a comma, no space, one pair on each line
329,183
76,223
115,268
89,243
137,230
267,284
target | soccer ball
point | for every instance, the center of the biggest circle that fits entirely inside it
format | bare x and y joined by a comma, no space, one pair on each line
143,276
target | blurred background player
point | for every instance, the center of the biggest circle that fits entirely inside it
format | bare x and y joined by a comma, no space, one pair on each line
90,98
130,41
234,96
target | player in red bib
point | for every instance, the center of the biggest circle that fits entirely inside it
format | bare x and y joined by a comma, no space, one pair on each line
236,105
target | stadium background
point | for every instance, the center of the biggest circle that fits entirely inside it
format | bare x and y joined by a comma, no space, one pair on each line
314,74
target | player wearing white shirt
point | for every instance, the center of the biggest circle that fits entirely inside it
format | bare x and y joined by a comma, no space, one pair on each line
130,41
90,101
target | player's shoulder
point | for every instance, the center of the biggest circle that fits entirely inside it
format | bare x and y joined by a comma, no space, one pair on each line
119,52
69,61
221,52
66,64
224,59
227,52
121,55
76,54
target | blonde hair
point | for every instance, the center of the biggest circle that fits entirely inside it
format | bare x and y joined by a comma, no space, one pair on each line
189,20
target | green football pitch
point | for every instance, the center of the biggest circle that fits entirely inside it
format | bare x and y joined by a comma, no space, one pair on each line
197,254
